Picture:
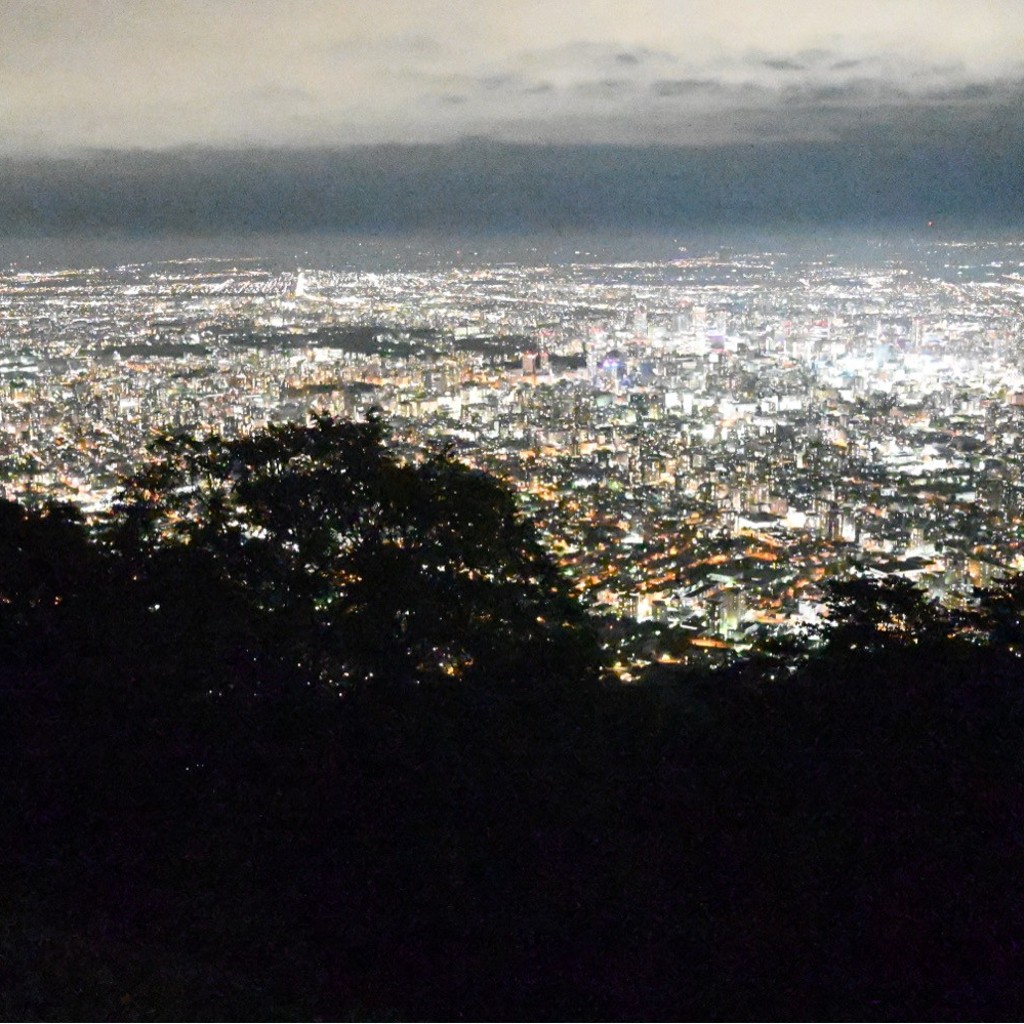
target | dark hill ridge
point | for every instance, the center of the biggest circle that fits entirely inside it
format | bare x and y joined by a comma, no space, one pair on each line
302,732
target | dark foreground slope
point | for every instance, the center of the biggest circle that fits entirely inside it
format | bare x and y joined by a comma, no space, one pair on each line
203,817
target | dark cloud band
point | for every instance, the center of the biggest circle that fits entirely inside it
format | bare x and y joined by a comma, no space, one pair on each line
892,174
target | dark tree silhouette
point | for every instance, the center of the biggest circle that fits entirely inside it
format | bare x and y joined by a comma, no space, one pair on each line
350,565
871,614
999,615
47,569
195,825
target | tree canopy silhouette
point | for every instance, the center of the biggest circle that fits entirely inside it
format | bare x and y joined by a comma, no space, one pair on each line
195,825
870,614
347,563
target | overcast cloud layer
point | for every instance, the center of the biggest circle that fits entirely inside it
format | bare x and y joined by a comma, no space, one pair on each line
900,105
154,73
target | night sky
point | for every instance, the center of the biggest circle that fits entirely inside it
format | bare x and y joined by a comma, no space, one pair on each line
370,115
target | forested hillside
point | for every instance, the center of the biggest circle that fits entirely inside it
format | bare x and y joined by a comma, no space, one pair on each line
302,731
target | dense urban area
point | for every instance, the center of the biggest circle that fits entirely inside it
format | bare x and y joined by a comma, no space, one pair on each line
701,441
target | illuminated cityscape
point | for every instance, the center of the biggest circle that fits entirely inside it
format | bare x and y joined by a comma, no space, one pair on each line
700,440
